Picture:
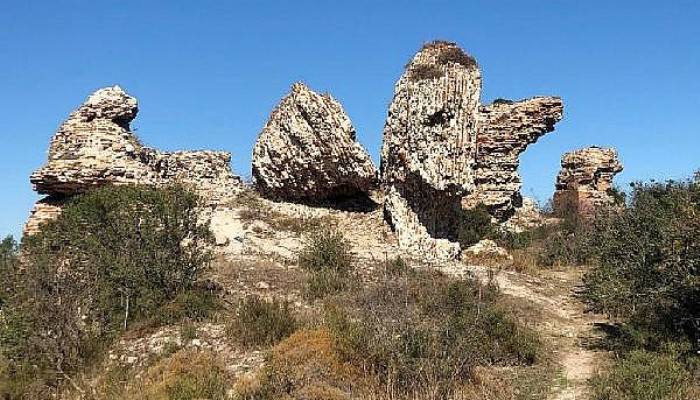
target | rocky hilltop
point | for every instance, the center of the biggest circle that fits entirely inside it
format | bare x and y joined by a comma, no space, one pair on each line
443,152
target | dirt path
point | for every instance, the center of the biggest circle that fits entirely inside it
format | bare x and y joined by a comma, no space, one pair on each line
564,324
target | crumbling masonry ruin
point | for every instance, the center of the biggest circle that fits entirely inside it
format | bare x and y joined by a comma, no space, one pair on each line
585,180
95,146
443,150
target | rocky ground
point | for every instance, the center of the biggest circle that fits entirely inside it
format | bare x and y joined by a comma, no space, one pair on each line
257,245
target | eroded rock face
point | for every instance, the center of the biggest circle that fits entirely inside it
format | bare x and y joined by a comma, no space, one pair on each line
585,180
95,146
44,210
504,132
443,151
308,151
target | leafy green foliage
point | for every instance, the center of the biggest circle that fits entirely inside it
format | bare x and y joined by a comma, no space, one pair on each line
261,323
646,276
648,256
194,304
475,225
8,260
328,260
114,256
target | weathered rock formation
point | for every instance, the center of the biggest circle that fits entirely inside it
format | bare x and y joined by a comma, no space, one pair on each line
442,150
585,180
95,146
504,132
308,151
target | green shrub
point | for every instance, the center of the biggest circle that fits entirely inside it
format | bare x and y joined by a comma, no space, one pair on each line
647,274
646,277
114,256
188,331
475,224
427,332
644,375
329,262
261,323
194,304
8,260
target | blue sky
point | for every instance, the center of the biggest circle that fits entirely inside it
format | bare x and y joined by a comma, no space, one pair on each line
208,73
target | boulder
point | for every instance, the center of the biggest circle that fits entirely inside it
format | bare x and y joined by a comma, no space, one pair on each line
525,217
443,150
485,250
585,181
308,151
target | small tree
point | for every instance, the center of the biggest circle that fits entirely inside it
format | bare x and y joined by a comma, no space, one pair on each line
114,255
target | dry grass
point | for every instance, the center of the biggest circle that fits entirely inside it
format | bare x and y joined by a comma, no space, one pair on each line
261,322
421,72
304,366
243,277
188,374
178,375
253,208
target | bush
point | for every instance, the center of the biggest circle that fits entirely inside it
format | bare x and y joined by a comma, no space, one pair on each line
457,56
407,333
475,224
328,260
643,375
8,259
304,366
187,375
114,256
647,272
503,101
427,333
195,304
646,277
261,323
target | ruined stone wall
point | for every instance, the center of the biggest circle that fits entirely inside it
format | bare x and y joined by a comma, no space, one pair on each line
308,151
506,129
443,151
95,146
207,172
585,180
